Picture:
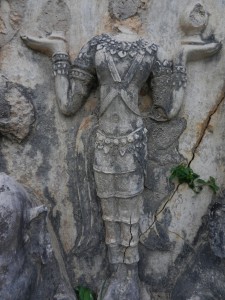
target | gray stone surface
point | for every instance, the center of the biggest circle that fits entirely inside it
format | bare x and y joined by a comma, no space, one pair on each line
29,269
204,275
17,111
122,63
123,9
46,159
203,279
11,17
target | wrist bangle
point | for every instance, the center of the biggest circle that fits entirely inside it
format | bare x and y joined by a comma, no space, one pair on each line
61,68
60,56
61,63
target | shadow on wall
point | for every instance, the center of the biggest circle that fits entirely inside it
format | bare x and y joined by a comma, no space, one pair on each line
204,277
30,269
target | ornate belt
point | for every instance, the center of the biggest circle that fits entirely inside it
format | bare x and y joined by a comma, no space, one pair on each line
123,144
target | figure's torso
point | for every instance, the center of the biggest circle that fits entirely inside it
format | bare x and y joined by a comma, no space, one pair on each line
122,68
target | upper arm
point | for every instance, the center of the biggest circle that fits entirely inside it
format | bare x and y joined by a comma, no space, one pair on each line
162,85
83,74
167,82
83,67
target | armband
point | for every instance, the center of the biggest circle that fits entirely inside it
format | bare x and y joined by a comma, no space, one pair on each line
81,75
179,76
61,64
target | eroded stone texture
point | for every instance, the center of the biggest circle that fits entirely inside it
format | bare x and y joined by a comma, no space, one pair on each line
120,142
29,269
17,111
59,14
123,9
46,160
204,276
11,16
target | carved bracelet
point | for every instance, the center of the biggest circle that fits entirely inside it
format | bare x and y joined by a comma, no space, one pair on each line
61,64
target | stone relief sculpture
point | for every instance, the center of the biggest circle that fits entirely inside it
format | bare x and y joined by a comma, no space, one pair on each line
26,254
121,63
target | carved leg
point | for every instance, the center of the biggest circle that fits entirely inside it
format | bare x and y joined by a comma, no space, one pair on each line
112,239
112,230
129,234
121,218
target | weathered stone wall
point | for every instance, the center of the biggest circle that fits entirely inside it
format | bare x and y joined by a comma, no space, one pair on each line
45,160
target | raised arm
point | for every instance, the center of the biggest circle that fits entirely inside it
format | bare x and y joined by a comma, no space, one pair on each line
168,78
72,82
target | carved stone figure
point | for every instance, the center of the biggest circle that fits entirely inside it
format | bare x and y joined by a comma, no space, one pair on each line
26,255
121,63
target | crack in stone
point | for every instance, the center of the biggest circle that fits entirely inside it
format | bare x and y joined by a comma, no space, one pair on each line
159,212
205,127
131,238
195,148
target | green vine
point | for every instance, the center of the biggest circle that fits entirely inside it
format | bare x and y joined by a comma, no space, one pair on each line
84,293
185,174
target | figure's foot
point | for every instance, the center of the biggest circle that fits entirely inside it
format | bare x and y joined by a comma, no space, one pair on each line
122,289
119,287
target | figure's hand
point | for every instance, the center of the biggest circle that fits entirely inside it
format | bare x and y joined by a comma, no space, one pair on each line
49,45
195,51
198,51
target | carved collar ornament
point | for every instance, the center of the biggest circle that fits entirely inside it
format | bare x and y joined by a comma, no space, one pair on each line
122,48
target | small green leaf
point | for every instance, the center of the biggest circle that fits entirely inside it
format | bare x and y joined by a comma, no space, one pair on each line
197,189
185,174
212,184
81,292
201,181
84,293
